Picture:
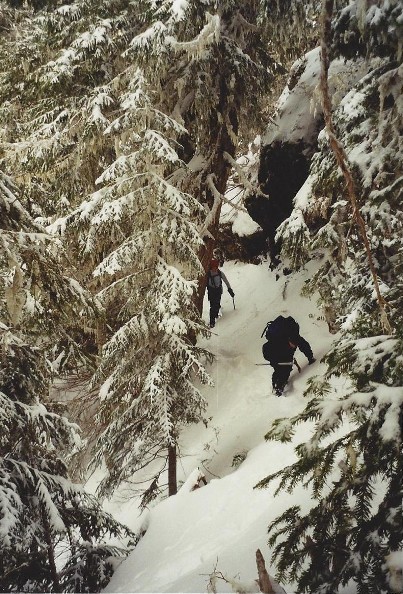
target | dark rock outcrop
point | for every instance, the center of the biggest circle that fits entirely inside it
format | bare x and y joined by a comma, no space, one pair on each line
284,167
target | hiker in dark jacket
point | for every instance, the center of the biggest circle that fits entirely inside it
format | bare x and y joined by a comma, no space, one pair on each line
282,352
214,289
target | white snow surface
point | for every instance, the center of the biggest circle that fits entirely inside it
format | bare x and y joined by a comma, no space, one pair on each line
220,525
299,109
235,213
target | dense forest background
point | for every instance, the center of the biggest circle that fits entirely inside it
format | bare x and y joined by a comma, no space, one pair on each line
122,126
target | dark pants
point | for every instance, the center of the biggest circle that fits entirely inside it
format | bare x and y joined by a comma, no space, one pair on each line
285,353
280,375
214,295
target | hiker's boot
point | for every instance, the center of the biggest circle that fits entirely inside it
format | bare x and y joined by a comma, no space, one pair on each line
278,389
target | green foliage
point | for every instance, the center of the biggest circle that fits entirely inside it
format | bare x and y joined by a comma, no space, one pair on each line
350,529
375,29
292,26
142,101
41,511
70,81
35,4
36,294
352,462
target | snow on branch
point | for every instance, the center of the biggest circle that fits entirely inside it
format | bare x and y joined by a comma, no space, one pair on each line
212,213
146,39
245,181
208,35
341,156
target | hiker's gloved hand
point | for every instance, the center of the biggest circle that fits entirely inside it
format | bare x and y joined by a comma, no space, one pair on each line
231,292
312,360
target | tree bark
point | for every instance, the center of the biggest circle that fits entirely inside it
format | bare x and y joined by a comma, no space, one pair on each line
265,585
50,551
172,483
224,126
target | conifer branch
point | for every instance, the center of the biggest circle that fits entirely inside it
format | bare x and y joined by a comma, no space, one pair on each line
247,184
341,156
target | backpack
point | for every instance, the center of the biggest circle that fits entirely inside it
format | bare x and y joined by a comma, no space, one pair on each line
278,329
268,350
213,280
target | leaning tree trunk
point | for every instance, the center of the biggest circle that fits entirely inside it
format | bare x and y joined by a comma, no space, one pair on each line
50,550
341,156
215,179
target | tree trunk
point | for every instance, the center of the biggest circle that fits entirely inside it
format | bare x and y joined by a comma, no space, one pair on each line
217,174
172,485
223,136
265,585
50,551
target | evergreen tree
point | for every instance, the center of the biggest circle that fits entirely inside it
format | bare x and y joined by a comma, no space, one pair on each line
61,70
35,4
196,59
292,27
139,224
137,211
6,18
211,64
353,462
52,533
196,73
34,287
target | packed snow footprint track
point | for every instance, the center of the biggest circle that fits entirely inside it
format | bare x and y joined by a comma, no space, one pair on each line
260,293
228,517
242,396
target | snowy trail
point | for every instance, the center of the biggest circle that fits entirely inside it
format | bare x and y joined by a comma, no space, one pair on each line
222,524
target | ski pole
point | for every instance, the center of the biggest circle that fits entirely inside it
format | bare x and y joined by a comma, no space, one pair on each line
262,363
296,365
233,301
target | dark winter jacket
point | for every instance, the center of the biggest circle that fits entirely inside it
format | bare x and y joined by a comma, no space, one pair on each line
284,352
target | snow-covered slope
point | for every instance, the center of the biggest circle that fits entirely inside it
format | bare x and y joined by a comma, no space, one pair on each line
220,525
299,108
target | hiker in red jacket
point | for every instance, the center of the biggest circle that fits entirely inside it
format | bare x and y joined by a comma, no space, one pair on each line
214,289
